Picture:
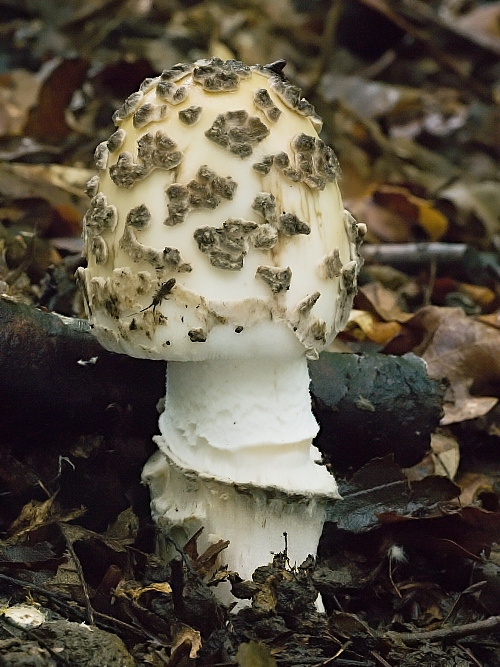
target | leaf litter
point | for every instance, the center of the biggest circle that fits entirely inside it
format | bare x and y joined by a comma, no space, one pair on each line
408,566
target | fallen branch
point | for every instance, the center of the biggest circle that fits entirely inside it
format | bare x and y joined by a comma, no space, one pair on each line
436,54
56,378
420,254
65,604
453,633
57,382
485,42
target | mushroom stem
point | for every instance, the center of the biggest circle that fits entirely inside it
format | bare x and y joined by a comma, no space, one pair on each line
216,239
236,457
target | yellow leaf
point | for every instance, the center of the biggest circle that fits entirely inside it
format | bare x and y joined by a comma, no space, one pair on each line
254,654
432,220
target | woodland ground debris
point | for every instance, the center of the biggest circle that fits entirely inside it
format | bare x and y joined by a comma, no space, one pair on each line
409,105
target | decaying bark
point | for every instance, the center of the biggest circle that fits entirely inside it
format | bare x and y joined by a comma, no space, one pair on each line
371,406
56,378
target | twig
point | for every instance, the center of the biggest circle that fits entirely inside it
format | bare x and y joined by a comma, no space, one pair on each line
81,576
182,553
469,653
441,58
471,590
421,254
455,632
329,660
380,659
328,39
421,10
71,608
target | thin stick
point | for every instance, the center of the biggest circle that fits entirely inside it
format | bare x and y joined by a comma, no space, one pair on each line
441,58
81,576
66,602
380,659
419,9
455,632
469,653
328,661
328,39
421,254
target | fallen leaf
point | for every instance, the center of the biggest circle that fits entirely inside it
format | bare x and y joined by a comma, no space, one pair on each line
493,319
18,93
185,635
472,485
484,296
254,654
464,351
363,326
46,121
377,299
445,452
412,209
475,201
60,186
18,555
32,514
466,408
381,488
383,224
131,590
443,458
348,624
482,20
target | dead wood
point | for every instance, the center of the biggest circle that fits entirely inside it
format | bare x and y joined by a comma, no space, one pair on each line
57,379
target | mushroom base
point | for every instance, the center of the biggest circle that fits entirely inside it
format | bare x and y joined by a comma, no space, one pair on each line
236,458
252,519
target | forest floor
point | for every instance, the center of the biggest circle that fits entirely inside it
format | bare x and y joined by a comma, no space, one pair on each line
409,563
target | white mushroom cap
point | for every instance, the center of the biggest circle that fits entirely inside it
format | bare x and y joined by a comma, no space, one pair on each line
216,227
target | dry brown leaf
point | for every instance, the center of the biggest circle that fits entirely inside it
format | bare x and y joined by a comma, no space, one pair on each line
383,224
35,514
32,514
185,636
412,210
475,201
443,459
484,296
492,319
47,121
348,624
393,214
61,186
466,408
467,353
376,299
483,20
133,591
445,453
18,93
472,485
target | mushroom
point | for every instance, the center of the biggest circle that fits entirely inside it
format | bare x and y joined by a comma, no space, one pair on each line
216,239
